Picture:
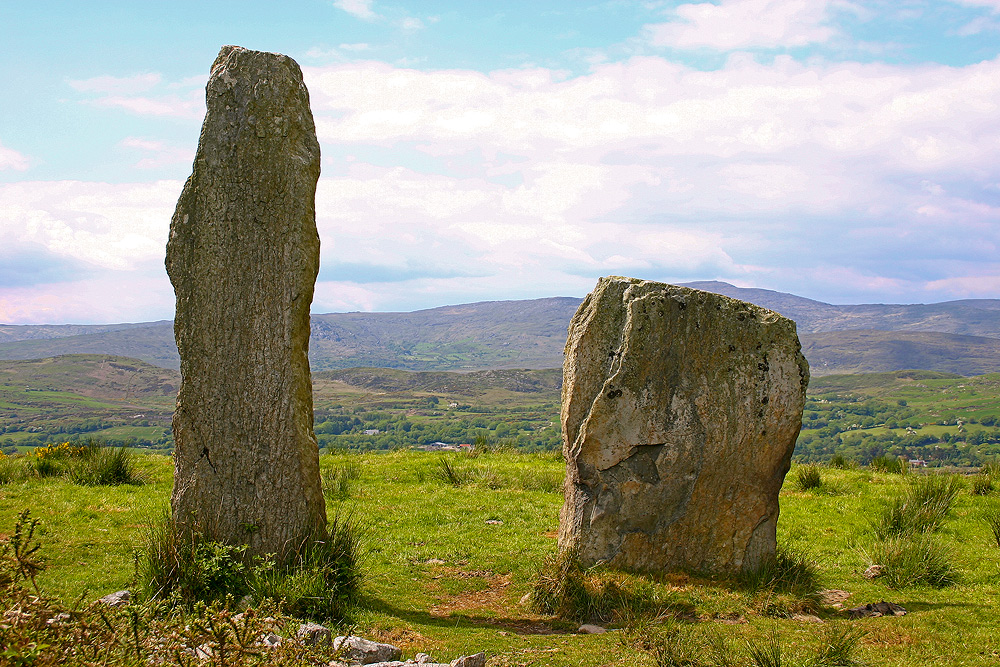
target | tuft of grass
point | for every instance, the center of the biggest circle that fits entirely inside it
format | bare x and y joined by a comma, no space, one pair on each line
323,579
320,581
839,646
448,473
889,464
910,560
105,466
838,461
564,588
12,469
982,484
188,564
669,642
337,482
809,477
992,518
765,652
788,572
922,508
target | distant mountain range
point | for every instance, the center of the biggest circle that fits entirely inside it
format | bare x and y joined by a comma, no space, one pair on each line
955,336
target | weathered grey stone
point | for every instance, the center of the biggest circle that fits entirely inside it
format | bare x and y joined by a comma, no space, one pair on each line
680,411
242,256
313,633
476,660
116,599
365,651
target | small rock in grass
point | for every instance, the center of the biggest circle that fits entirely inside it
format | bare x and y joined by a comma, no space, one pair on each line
271,640
882,608
365,651
204,652
435,561
806,618
590,629
494,522
422,658
477,660
834,598
872,572
313,633
117,599
526,598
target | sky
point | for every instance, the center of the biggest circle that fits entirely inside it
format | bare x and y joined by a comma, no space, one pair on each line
844,151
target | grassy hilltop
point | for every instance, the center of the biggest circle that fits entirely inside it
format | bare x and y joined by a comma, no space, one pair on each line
447,560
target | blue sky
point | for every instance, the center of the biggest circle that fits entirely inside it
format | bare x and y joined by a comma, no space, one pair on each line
844,151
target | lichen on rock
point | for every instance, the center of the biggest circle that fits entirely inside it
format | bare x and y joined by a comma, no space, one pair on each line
680,413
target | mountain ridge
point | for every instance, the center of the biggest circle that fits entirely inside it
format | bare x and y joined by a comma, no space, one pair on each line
955,336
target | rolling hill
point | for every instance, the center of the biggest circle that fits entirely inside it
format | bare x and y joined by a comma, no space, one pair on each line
955,336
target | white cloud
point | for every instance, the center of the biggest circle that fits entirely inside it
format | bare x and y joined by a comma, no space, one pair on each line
11,159
113,85
158,153
147,95
741,24
109,226
993,5
362,9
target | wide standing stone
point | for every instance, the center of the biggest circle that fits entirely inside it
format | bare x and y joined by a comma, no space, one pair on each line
243,256
680,411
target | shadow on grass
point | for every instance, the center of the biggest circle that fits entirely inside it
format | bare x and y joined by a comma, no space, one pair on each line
520,626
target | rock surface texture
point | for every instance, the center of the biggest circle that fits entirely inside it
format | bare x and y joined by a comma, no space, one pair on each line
680,411
242,256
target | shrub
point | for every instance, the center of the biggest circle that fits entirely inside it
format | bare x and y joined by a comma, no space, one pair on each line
96,465
809,477
889,464
908,560
922,508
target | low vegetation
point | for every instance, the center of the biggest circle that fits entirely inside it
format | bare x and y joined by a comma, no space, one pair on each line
444,566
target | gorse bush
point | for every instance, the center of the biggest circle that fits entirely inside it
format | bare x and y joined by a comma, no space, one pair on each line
923,507
809,477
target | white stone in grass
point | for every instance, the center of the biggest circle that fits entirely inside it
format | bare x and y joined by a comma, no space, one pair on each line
365,651
590,629
313,633
477,660
117,599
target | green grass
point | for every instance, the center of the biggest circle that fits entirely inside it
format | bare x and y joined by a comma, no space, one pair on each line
444,566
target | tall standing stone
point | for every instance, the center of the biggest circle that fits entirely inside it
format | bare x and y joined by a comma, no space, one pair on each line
680,411
243,256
